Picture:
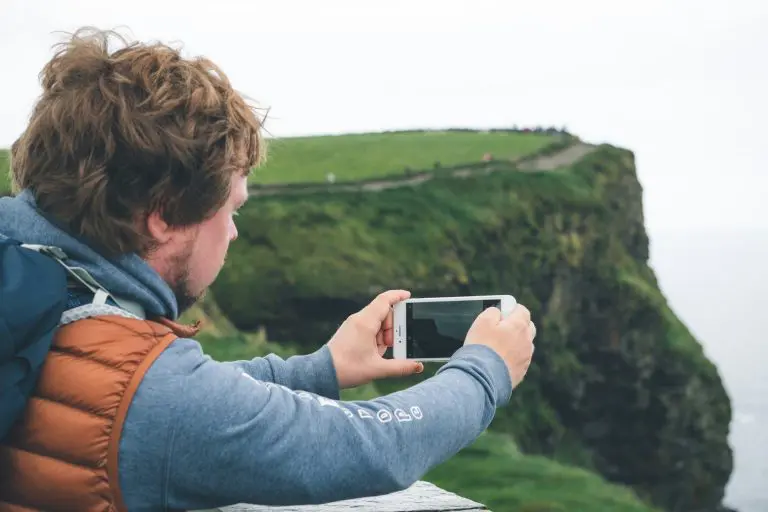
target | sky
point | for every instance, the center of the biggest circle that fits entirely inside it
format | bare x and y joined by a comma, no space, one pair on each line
681,83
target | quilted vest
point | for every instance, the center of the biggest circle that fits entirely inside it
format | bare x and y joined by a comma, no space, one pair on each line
63,453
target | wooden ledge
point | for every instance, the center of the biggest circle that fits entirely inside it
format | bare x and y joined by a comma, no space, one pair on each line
420,497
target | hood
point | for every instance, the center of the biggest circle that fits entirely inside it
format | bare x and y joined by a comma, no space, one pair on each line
128,276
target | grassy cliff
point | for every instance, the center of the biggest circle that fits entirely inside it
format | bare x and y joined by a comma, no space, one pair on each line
361,156
5,172
619,385
493,471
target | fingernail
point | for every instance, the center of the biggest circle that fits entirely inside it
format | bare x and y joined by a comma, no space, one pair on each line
420,368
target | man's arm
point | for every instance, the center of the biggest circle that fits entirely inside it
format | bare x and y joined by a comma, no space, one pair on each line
228,438
313,372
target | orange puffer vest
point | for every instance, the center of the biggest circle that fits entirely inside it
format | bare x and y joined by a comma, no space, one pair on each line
63,453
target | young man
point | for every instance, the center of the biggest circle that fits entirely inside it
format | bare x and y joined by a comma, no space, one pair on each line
135,162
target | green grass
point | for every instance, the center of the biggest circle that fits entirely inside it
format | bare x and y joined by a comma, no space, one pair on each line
492,471
5,172
361,156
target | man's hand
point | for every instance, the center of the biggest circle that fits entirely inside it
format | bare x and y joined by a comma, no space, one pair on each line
511,338
359,344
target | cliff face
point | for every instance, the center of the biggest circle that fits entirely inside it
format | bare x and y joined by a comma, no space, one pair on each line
618,383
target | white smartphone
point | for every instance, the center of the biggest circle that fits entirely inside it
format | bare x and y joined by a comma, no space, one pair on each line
433,328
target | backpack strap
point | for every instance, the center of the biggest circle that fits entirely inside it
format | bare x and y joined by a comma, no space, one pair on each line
81,275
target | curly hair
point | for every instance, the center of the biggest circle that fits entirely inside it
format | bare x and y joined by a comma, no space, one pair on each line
116,136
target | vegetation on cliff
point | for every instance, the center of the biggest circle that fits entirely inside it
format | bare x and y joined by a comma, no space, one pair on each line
5,172
619,385
361,156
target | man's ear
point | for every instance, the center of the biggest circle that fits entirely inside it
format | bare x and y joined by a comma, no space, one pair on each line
158,228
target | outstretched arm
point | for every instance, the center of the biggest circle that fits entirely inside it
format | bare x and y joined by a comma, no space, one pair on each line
314,372
234,439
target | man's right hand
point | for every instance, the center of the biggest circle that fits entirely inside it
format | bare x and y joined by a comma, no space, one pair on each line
511,338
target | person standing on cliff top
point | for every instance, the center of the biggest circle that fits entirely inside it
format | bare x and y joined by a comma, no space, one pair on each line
135,162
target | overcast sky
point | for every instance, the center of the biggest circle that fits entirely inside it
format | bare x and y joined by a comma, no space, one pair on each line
682,83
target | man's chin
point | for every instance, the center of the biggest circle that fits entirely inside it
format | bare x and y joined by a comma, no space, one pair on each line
187,300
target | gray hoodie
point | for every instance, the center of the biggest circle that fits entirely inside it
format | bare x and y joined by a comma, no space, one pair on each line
201,433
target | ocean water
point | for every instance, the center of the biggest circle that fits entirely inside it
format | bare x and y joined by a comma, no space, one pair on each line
717,283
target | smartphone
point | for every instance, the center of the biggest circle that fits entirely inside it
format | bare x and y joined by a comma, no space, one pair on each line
434,328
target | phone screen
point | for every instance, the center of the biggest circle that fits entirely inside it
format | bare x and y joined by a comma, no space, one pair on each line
438,329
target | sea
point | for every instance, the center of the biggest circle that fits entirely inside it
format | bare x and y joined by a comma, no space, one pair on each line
717,283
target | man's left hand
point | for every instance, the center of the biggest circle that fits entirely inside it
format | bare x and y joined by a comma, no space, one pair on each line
358,346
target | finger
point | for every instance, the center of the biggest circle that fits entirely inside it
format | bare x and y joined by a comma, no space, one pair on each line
381,345
381,306
389,321
519,314
389,338
400,368
492,315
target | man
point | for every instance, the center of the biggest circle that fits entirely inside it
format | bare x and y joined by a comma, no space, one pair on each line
135,163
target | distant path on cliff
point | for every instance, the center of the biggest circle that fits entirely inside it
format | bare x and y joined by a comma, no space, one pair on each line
562,158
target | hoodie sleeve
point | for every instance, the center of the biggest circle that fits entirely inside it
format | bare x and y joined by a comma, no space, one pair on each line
314,372
220,436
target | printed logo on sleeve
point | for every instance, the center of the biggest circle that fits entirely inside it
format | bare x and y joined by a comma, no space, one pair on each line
364,414
416,411
384,416
328,402
402,416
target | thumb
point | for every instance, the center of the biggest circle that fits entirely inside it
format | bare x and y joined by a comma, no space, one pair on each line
491,315
400,367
